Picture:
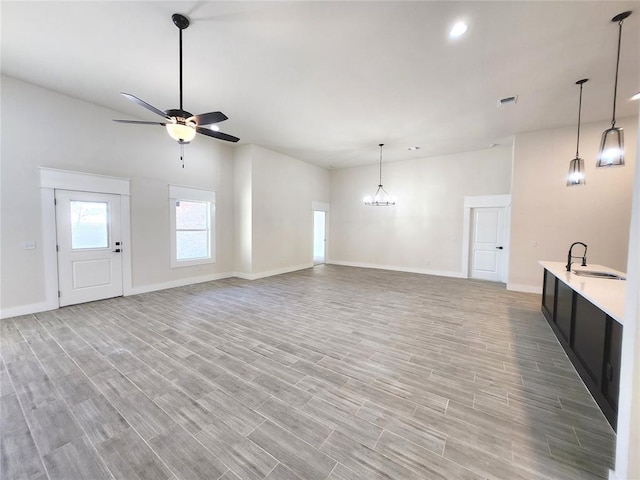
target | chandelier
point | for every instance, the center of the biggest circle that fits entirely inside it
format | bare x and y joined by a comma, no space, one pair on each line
381,197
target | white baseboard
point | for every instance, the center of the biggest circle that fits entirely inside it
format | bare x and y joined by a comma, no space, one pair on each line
422,271
43,306
177,283
26,309
612,475
271,273
524,288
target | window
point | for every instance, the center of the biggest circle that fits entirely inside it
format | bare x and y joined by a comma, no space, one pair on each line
192,226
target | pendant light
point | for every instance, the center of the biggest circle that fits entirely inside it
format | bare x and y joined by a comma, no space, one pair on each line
611,152
381,198
576,166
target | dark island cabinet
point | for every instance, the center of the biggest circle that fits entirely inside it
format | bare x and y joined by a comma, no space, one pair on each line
612,363
589,336
548,293
591,339
564,310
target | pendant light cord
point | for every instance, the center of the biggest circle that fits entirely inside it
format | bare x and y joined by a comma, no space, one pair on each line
579,112
615,87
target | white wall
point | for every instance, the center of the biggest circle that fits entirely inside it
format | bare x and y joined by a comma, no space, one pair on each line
283,190
423,232
44,128
546,211
242,185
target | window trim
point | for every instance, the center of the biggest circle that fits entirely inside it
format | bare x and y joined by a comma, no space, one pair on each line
191,194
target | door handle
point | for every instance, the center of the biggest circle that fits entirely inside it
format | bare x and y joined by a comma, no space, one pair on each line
499,248
117,250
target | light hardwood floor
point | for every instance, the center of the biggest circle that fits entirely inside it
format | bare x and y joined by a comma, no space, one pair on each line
326,373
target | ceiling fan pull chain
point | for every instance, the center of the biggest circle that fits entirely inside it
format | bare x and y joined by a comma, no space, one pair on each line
182,154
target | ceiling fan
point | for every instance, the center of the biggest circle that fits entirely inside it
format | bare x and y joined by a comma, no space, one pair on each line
180,124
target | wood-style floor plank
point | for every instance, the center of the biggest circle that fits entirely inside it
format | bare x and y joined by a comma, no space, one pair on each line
330,373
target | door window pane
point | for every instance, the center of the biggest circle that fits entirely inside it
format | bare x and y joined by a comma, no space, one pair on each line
89,224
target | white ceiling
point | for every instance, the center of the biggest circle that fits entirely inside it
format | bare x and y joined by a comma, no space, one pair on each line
325,82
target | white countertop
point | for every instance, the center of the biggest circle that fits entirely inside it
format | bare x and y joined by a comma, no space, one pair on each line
605,293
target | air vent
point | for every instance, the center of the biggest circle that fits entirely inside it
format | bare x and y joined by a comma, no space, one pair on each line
508,101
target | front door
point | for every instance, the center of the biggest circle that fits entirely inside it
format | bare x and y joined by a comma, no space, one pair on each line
89,246
486,243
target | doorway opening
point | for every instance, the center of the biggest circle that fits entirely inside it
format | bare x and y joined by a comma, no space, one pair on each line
319,236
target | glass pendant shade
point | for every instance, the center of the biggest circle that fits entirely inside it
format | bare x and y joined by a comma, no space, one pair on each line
576,173
381,197
611,148
180,132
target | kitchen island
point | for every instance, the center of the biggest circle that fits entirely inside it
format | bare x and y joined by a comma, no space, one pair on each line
586,314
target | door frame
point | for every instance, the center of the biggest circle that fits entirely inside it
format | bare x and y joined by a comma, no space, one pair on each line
53,179
491,201
322,207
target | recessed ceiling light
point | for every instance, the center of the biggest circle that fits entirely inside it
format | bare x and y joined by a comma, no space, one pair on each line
412,149
493,145
458,30
636,96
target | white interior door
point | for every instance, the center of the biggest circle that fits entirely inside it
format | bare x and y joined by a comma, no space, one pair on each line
486,243
89,246
319,237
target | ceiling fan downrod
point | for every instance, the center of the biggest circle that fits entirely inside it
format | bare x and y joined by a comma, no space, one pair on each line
181,22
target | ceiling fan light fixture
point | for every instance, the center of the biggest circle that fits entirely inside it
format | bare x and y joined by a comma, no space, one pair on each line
611,152
181,132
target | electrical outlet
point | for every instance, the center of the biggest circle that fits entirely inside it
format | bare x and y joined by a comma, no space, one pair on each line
29,245
534,243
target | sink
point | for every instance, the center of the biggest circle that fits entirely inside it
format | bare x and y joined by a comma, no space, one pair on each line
595,274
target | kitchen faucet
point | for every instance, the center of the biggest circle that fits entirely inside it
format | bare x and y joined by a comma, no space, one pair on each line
584,257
